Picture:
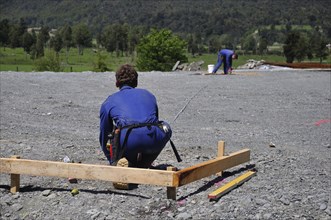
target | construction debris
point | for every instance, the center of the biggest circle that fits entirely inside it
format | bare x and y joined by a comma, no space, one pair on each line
303,65
254,64
194,66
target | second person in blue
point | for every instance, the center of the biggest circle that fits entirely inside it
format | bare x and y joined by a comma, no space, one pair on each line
225,57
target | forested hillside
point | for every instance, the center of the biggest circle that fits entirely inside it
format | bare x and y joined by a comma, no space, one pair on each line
206,17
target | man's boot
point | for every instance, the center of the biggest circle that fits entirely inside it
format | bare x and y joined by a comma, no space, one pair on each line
123,162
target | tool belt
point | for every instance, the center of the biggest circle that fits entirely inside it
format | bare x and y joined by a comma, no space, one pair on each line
118,150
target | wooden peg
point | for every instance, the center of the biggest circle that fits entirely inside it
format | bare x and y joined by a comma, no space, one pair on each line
15,179
171,191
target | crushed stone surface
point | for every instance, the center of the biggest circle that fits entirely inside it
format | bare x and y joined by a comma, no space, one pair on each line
282,116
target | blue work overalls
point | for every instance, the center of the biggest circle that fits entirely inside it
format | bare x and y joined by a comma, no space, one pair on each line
133,106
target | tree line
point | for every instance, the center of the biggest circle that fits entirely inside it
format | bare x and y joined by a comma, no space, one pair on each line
123,40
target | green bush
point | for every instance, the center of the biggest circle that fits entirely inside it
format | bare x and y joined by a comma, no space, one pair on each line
100,64
160,50
50,62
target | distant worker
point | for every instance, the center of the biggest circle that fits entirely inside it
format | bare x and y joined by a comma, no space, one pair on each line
225,56
129,120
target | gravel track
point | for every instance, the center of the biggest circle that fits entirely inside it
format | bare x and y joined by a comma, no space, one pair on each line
47,116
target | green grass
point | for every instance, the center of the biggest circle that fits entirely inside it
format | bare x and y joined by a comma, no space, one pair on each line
17,60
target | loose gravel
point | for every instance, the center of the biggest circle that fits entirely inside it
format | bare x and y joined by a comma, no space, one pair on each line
282,116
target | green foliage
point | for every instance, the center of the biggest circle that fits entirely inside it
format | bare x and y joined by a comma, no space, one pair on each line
4,30
291,46
317,44
249,43
209,18
27,41
160,50
82,37
100,64
16,60
37,49
56,42
50,62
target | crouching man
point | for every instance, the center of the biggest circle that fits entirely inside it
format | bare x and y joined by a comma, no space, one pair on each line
131,133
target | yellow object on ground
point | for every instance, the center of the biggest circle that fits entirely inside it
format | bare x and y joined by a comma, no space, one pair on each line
231,185
74,192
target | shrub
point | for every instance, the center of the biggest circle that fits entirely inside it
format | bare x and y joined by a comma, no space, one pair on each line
50,62
100,64
160,50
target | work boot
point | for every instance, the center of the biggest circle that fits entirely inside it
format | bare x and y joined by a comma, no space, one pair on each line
126,186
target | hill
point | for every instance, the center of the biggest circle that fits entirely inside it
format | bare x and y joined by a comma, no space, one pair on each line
207,17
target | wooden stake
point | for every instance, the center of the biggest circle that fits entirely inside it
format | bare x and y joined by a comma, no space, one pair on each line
171,191
14,179
220,153
231,185
221,149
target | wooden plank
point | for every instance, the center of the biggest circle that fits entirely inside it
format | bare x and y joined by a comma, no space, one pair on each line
87,171
210,167
231,185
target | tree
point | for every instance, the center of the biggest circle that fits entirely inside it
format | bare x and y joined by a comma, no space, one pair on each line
66,33
27,41
291,46
159,50
249,43
107,38
82,37
56,43
134,36
43,35
263,45
192,46
317,44
116,38
37,49
4,30
321,50
301,50
14,36
214,44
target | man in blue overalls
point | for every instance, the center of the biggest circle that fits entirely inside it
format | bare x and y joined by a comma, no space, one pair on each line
225,56
132,113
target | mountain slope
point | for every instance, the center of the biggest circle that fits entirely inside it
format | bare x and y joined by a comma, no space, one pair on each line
199,16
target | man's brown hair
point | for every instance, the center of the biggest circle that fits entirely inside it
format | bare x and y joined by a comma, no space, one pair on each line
126,75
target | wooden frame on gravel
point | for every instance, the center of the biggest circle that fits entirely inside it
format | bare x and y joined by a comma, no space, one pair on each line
169,178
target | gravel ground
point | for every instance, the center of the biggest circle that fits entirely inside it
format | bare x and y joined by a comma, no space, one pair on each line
47,116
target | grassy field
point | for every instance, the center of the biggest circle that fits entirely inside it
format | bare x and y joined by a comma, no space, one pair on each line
17,60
